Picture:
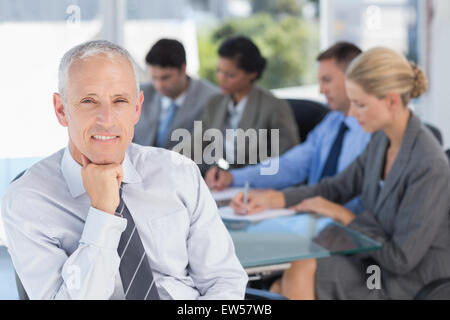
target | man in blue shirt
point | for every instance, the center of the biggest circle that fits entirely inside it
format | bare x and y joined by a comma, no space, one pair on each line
330,147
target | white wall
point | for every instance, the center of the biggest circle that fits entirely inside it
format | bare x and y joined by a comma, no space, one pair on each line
439,92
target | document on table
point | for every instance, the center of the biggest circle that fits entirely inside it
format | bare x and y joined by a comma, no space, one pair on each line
226,194
227,213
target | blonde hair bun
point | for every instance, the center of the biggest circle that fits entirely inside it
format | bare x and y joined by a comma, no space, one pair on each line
381,70
420,81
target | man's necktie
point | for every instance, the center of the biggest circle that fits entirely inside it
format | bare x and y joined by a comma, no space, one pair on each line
164,126
135,272
330,167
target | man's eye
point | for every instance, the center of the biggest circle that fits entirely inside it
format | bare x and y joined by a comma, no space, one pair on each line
121,101
87,101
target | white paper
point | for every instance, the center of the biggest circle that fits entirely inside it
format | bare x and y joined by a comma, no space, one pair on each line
226,194
227,213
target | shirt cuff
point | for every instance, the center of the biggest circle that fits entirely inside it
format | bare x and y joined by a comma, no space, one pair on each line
238,178
103,229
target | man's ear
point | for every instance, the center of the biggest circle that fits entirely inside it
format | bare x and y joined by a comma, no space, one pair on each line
140,100
253,76
60,111
183,68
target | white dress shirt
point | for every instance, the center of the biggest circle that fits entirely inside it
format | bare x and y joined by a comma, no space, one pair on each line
234,116
62,248
166,102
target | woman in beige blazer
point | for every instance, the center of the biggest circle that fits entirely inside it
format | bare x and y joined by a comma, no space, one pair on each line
404,178
243,105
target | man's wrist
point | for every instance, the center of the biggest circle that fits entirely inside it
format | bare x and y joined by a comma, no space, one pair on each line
104,209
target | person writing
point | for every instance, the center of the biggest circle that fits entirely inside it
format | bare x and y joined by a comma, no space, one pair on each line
404,178
244,105
329,148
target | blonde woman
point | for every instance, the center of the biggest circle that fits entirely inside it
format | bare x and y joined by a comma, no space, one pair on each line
404,179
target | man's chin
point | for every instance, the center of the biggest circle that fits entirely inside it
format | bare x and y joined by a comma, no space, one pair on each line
106,159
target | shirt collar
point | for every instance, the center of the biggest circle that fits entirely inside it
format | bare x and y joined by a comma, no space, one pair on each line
239,108
71,171
166,101
351,123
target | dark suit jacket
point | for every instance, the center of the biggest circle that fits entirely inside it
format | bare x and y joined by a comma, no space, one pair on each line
262,111
409,216
197,95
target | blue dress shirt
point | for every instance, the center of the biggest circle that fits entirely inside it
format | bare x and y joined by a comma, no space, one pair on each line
305,161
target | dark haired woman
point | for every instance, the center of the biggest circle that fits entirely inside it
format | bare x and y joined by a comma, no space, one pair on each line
243,105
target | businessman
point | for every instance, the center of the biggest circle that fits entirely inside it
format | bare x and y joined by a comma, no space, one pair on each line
173,100
108,219
330,147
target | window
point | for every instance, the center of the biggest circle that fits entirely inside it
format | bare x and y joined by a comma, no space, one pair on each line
35,35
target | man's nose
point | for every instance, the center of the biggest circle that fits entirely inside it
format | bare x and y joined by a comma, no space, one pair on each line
105,114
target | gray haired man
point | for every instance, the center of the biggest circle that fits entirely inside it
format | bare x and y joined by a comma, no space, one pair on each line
104,218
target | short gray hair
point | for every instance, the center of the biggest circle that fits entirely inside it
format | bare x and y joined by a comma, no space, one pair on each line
89,49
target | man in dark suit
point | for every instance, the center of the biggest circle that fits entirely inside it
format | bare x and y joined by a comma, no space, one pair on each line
173,100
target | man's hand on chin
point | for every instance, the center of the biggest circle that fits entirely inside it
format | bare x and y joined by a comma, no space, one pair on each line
102,183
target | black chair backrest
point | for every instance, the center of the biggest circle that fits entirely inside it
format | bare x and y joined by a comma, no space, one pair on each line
435,131
308,114
18,176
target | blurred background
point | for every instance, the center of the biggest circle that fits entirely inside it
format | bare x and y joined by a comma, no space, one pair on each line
290,33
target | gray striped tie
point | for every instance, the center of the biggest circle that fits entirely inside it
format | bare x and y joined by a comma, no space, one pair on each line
134,269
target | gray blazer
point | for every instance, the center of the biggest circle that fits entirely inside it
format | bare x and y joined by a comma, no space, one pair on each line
409,216
262,111
197,95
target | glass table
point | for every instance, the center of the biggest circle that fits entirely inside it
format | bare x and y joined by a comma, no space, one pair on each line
271,244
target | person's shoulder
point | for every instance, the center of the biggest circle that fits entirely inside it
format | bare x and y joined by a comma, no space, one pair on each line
38,174
428,151
205,85
39,181
330,121
333,117
160,159
214,100
268,101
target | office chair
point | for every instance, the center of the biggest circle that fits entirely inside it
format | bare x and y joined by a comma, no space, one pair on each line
307,114
435,131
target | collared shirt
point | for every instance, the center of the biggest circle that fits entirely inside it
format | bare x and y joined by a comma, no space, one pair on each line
62,248
166,102
306,161
234,116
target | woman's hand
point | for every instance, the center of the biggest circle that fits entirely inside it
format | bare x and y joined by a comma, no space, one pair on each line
327,208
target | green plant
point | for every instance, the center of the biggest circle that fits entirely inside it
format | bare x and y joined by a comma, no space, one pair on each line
290,45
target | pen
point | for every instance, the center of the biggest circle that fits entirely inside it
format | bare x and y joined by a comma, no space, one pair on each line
246,188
